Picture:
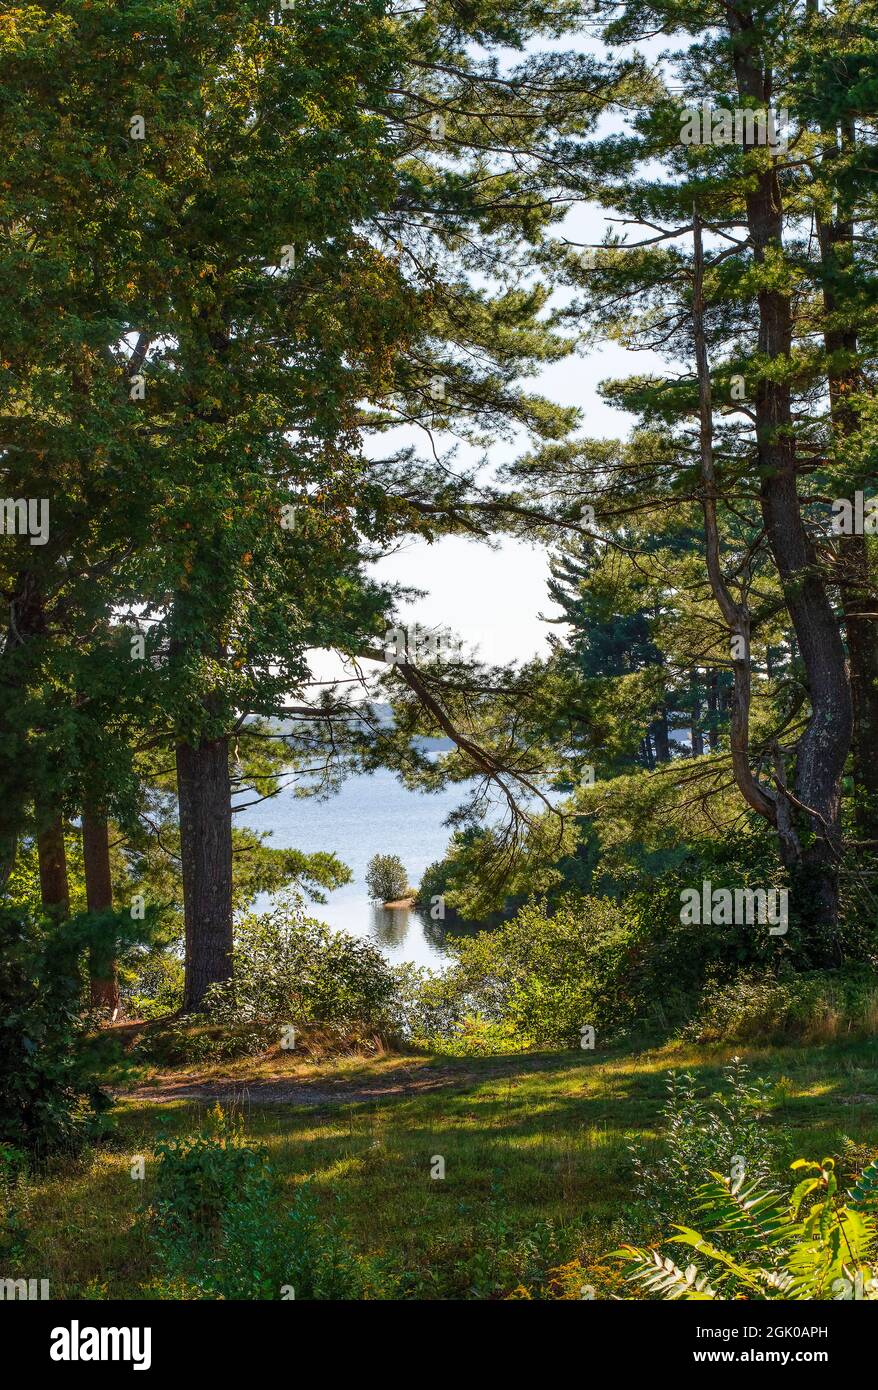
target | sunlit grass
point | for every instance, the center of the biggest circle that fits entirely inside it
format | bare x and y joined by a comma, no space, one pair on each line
525,1139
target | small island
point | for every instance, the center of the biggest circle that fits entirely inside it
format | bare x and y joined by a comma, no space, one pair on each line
388,881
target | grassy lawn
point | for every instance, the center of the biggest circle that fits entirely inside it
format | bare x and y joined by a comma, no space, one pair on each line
537,1169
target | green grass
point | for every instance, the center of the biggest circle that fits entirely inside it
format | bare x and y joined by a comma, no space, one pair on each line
536,1154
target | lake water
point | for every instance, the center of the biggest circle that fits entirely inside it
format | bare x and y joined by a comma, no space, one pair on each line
371,814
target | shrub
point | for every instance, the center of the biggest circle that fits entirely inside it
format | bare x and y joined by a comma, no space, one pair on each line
53,1067
539,978
386,878
268,1251
14,1201
154,988
188,1042
617,965
705,1134
199,1174
819,1006
290,968
760,1246
220,1229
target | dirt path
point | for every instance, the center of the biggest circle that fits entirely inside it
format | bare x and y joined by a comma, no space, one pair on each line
388,1085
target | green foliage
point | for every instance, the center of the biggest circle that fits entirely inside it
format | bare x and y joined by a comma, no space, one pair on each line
153,985
199,1174
758,1245
702,1134
817,1006
468,880
14,1201
188,1041
612,962
221,1229
386,877
53,1067
290,968
538,979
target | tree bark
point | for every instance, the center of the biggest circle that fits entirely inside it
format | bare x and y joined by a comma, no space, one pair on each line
661,737
858,591
695,734
857,583
204,793
823,748
713,712
99,898
54,889
26,622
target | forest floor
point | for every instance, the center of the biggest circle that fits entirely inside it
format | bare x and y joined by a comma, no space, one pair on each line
536,1150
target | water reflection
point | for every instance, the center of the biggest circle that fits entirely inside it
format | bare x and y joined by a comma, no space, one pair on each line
393,927
390,925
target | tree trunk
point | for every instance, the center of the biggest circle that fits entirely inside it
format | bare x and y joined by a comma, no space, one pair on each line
713,712
54,890
26,621
661,737
695,734
857,583
99,897
858,592
204,793
823,748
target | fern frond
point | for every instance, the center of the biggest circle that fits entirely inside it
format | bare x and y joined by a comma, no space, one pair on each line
758,1217
659,1275
864,1193
778,1281
734,1272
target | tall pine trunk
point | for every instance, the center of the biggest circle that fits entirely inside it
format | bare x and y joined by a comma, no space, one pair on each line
858,591
661,737
99,898
713,711
823,748
857,581
695,733
204,793
54,889
26,622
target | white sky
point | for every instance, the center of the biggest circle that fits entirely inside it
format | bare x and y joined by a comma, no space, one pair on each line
492,598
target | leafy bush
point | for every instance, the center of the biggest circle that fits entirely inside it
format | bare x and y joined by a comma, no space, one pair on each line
537,979
53,1068
616,964
154,988
199,1174
221,1230
14,1201
819,1006
187,1042
290,968
705,1134
760,1246
386,878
